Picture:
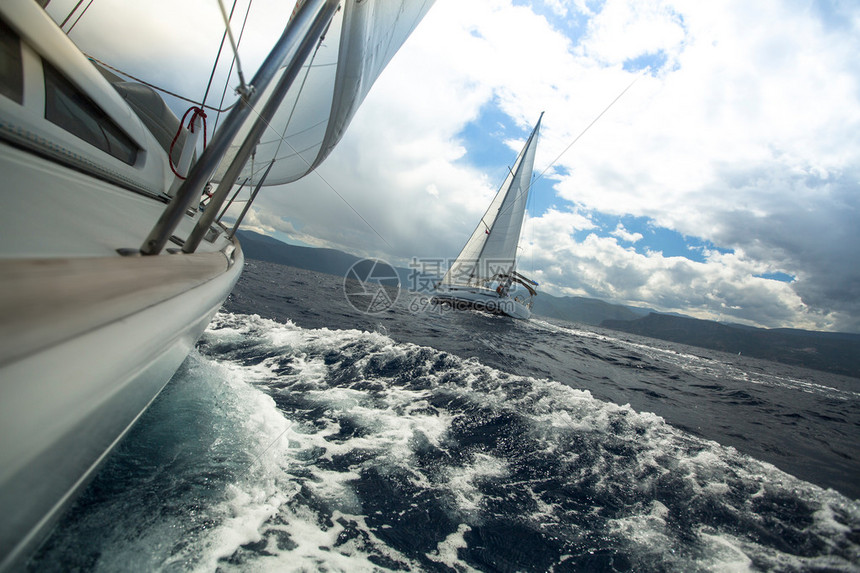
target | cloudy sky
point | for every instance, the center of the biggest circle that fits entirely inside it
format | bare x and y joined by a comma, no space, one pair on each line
723,184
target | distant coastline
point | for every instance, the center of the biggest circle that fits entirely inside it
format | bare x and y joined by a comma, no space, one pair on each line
834,352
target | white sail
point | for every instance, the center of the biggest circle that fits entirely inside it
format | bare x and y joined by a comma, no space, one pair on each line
491,251
363,37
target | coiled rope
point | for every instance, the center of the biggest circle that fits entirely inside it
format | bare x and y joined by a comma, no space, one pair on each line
198,112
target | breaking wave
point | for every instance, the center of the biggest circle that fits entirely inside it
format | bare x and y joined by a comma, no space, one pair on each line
288,449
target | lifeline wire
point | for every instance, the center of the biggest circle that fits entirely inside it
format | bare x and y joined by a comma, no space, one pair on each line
155,87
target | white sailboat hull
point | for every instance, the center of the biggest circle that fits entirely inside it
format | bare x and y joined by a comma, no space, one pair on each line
66,405
487,300
91,330
88,338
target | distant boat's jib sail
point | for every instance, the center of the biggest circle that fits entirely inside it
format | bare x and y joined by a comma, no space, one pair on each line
491,252
362,38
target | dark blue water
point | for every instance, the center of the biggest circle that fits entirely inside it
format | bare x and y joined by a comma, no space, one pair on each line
305,436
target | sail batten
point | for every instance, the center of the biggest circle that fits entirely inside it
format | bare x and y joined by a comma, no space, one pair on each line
490,252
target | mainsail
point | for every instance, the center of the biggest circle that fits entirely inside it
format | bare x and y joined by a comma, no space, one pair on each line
362,38
491,251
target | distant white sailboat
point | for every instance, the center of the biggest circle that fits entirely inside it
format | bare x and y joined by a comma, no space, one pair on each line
484,273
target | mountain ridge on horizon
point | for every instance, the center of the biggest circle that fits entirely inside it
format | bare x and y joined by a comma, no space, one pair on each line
834,352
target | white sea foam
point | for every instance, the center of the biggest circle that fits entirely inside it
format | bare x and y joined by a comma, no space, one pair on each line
295,461
255,498
462,480
446,550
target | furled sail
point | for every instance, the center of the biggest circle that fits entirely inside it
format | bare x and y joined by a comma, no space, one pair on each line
362,38
491,251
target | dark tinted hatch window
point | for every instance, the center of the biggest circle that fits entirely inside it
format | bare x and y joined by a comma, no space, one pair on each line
11,69
69,108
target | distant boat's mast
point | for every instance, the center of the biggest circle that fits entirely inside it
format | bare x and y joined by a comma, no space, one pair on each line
508,203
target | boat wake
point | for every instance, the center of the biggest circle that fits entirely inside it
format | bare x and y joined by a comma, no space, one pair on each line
317,449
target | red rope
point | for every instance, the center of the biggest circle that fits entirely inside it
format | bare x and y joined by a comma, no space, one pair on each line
198,111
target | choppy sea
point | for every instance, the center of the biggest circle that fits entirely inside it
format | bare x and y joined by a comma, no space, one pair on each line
303,435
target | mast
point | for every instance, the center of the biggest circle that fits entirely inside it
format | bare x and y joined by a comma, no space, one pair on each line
513,207
491,249
190,190
295,124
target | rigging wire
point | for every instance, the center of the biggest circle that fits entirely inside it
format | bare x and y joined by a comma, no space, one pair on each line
198,110
554,161
202,104
243,89
72,11
323,179
618,97
282,140
155,87
547,168
233,199
221,103
283,135
84,11
232,63
220,49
